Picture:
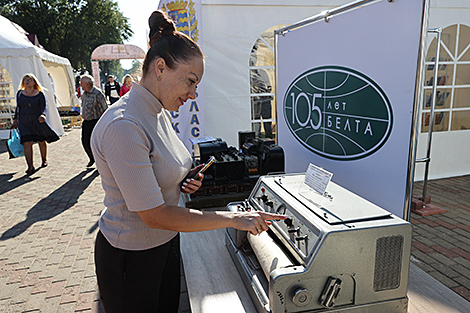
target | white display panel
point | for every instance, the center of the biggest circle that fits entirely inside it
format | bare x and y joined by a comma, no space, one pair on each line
346,96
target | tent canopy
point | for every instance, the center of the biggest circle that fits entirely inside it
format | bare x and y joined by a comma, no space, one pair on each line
227,44
19,56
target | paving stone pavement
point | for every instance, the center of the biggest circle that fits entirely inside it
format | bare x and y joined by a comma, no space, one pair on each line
48,223
441,242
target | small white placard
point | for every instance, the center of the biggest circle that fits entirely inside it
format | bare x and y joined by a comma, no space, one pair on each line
317,178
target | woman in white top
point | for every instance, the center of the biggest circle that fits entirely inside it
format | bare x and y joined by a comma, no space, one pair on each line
142,163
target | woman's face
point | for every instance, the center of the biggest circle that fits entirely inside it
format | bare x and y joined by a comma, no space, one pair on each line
28,82
179,84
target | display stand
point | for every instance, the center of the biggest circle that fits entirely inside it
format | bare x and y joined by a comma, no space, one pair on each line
422,205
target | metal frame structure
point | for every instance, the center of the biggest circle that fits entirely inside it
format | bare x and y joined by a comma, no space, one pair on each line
427,159
419,94
326,15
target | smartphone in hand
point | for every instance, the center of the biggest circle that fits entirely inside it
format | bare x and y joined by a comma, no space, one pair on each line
205,167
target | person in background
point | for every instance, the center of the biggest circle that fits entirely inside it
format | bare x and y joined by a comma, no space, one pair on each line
79,91
93,106
30,119
144,167
126,84
112,89
262,108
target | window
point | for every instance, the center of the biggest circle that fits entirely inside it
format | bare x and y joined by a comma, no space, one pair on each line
262,87
452,111
7,99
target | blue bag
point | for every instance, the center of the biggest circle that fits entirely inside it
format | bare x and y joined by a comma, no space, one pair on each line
15,148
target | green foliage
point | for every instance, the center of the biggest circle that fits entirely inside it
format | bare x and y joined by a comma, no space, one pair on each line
136,69
70,28
111,68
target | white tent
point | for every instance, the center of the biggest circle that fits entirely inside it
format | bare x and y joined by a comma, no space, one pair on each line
230,28
19,56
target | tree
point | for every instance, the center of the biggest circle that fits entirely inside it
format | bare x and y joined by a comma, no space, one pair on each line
112,67
136,69
70,28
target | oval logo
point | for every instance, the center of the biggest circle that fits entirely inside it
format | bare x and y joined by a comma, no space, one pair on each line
338,113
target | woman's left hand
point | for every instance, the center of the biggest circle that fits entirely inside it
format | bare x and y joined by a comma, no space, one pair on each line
42,118
191,185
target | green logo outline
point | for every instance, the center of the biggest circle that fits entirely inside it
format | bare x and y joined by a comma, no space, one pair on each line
314,127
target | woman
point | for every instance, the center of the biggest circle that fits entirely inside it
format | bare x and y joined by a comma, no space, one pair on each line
126,85
30,119
142,164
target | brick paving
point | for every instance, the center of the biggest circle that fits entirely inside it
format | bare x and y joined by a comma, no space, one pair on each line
48,223
441,242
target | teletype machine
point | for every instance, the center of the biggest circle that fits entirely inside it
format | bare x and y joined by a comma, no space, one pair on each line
336,252
235,171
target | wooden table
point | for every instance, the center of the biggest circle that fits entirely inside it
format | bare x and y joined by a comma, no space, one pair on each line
215,286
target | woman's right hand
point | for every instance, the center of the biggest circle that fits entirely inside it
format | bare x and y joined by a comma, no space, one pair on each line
255,222
14,125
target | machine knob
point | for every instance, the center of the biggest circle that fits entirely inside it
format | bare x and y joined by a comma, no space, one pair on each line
302,297
281,209
288,221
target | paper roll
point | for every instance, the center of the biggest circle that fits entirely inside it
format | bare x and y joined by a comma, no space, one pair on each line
269,255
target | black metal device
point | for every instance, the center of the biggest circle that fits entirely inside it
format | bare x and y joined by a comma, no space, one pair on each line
234,172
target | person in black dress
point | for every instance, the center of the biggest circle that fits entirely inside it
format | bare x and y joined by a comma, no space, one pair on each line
30,119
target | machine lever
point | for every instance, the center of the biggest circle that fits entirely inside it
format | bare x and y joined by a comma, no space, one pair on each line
293,230
330,292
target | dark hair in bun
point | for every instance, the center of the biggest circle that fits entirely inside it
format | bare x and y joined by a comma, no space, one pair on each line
168,43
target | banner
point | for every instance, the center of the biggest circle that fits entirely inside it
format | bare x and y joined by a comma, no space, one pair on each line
346,96
188,121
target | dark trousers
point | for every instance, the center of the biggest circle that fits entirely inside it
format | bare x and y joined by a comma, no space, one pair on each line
145,281
262,109
112,99
87,129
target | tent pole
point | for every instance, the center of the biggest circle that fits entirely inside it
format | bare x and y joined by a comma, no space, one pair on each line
427,160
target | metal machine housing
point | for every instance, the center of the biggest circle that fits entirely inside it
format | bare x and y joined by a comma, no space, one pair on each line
346,254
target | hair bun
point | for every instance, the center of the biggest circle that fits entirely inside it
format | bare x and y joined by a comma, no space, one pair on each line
160,26
167,43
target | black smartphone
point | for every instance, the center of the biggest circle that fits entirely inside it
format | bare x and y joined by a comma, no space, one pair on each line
206,166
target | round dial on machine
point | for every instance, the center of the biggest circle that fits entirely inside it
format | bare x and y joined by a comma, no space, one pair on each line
302,297
281,209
